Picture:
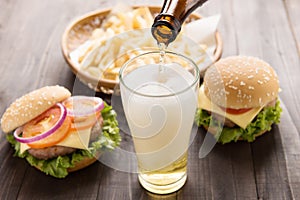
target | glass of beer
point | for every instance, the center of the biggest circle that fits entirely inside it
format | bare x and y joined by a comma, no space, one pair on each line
159,97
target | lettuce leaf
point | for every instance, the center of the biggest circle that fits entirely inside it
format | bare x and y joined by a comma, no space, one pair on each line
57,167
262,122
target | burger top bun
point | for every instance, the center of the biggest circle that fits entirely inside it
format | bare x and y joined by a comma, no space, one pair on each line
31,105
241,82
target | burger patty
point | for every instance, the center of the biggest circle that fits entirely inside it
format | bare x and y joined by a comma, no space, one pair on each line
229,123
51,152
55,151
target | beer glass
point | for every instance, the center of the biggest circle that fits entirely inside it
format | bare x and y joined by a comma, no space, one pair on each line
159,97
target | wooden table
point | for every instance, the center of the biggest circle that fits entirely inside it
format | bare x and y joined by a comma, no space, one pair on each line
269,168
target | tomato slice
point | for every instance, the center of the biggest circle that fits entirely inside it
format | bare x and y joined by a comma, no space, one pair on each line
43,123
235,111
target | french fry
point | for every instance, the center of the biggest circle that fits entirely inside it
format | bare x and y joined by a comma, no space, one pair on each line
111,45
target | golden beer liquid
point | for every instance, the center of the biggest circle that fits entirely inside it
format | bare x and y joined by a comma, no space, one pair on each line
167,179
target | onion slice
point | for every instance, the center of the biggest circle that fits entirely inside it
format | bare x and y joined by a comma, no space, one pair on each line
57,125
81,106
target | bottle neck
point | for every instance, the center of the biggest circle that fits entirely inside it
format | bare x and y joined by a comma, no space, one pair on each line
167,24
166,28
180,9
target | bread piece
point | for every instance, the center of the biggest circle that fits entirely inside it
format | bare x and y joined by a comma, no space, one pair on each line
31,105
241,82
213,131
80,164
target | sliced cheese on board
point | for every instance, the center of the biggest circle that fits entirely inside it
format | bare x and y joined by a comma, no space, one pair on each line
241,120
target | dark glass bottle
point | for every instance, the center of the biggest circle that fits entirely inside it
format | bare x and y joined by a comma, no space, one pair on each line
167,23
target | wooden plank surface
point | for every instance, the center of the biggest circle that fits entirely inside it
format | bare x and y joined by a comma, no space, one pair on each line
263,38
269,168
292,9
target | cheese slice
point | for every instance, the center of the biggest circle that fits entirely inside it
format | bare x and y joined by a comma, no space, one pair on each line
76,139
242,120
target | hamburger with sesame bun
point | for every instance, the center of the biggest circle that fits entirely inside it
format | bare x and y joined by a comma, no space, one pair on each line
238,99
57,133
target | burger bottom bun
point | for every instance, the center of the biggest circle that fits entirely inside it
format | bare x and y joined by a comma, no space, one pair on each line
213,131
87,161
82,164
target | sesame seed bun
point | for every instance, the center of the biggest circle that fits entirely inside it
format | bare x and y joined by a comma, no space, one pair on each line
241,82
31,105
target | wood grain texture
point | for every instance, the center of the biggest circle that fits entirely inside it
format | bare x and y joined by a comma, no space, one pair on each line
292,9
270,38
269,168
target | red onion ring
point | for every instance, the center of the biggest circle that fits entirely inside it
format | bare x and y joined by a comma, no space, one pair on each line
86,111
57,125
